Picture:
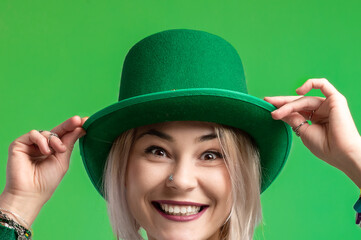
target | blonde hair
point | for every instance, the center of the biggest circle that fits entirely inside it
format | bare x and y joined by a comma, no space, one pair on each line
243,164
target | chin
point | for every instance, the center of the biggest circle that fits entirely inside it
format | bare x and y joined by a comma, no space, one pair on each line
178,235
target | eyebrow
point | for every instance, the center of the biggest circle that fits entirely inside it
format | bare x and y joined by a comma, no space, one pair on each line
169,138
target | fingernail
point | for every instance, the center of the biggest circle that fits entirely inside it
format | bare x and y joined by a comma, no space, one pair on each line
50,149
273,114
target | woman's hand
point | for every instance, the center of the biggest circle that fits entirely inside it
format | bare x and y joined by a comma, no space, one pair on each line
35,168
333,136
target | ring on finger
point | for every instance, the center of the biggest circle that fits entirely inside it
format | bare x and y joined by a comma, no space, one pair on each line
295,129
52,134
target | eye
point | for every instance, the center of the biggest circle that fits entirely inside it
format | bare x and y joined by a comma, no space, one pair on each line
156,151
211,156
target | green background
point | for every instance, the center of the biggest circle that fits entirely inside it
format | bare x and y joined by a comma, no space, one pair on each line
64,58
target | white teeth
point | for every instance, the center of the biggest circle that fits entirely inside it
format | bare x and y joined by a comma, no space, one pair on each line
180,210
183,210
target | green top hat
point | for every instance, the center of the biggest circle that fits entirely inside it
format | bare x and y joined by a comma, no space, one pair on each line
185,75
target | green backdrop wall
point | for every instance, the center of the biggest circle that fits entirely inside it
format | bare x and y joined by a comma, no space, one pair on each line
64,58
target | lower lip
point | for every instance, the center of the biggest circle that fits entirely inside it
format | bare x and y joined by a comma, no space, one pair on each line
182,218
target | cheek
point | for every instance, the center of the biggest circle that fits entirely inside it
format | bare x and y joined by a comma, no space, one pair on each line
142,180
218,185
143,175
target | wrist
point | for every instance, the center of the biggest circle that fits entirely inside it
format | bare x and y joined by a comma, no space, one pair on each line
353,171
27,208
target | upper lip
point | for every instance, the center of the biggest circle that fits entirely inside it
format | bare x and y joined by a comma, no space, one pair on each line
185,203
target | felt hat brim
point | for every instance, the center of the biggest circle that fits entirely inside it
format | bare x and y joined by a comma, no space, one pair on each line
243,111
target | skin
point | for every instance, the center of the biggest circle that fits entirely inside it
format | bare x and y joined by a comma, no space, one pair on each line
34,170
200,176
332,137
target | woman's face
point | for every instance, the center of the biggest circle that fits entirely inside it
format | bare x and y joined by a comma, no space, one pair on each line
196,203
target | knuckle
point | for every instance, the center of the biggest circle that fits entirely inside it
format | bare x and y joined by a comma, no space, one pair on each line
342,98
45,133
324,80
290,108
33,132
12,147
339,99
309,81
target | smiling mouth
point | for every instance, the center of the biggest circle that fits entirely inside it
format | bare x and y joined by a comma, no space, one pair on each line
178,210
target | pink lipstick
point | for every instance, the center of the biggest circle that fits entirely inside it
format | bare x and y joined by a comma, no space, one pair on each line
180,211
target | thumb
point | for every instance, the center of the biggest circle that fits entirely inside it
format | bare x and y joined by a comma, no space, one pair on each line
69,140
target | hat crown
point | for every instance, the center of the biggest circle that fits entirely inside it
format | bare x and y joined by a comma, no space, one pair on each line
209,75
181,59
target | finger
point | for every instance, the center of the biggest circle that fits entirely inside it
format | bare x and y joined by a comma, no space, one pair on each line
307,114
31,150
35,137
54,142
317,83
67,126
301,104
83,120
294,120
82,133
279,101
69,140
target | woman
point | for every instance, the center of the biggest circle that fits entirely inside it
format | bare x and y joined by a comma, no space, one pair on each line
185,153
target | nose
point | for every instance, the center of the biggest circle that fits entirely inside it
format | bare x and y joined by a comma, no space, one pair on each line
183,177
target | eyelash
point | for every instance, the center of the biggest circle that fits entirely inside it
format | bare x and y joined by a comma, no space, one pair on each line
149,150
